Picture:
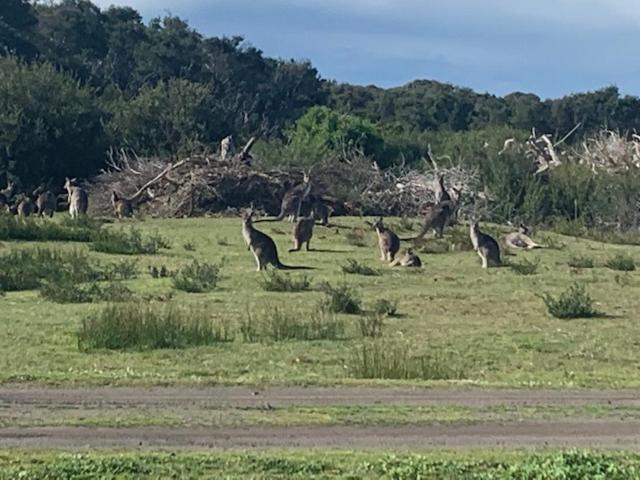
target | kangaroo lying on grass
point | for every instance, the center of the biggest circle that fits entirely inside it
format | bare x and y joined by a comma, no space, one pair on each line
409,259
520,239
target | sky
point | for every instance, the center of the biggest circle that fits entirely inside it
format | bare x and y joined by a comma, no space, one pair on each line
547,47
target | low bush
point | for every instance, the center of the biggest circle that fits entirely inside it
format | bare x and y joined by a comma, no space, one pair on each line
67,291
39,229
621,262
341,298
197,277
383,306
124,269
384,359
274,281
581,262
130,242
277,325
573,303
140,326
355,267
525,266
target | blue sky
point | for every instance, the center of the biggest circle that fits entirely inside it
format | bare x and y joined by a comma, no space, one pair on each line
548,47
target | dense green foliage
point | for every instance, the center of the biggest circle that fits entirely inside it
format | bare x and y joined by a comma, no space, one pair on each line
75,80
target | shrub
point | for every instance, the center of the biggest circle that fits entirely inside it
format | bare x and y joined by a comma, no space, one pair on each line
580,262
274,281
67,291
573,303
25,269
380,359
142,326
340,299
525,266
382,306
371,325
189,246
357,237
37,229
279,325
621,262
197,277
127,243
124,269
353,266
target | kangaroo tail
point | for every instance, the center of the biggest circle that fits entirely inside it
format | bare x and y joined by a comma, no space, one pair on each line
282,266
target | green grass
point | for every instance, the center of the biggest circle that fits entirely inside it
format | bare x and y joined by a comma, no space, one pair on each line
495,317
488,464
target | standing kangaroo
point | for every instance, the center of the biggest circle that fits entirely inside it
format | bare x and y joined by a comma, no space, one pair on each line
388,241
77,198
122,207
486,246
291,201
262,245
46,202
7,193
437,218
302,232
25,206
440,191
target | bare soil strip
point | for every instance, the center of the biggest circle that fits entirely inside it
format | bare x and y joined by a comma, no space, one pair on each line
310,396
573,432
600,434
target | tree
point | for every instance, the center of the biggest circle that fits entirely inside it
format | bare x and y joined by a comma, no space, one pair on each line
17,22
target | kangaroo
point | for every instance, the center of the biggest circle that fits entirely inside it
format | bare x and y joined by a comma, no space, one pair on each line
388,241
437,218
25,206
520,239
122,207
440,191
291,201
76,197
262,246
46,202
409,259
7,193
302,232
320,211
486,246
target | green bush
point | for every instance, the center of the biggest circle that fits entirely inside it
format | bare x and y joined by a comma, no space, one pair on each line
383,306
341,298
66,290
525,266
140,326
38,229
573,303
274,281
621,262
197,277
127,243
355,267
279,325
581,262
384,359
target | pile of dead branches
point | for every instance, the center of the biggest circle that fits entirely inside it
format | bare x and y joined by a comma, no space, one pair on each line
610,152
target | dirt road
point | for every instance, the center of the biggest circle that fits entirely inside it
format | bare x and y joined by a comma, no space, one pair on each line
605,433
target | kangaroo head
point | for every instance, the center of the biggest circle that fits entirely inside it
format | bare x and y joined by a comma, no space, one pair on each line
69,182
247,216
523,229
378,226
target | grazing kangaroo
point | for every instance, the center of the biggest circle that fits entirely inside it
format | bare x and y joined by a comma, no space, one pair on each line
388,241
122,207
302,232
486,246
320,211
46,202
520,239
437,218
76,197
25,206
262,245
409,259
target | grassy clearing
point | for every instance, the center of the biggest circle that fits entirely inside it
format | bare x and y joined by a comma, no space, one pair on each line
494,318
572,464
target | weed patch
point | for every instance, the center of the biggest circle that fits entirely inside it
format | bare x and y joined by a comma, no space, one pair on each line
197,277
581,262
621,262
573,303
525,266
274,281
355,267
277,325
341,298
130,242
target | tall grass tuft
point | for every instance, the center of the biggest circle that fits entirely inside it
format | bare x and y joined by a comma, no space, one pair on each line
139,326
65,290
355,267
277,325
341,298
580,262
573,303
197,277
525,266
370,325
274,281
130,242
385,359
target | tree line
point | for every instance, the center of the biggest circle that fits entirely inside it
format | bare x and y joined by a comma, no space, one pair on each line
76,79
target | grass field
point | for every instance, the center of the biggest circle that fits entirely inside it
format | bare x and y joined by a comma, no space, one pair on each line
490,323
477,465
